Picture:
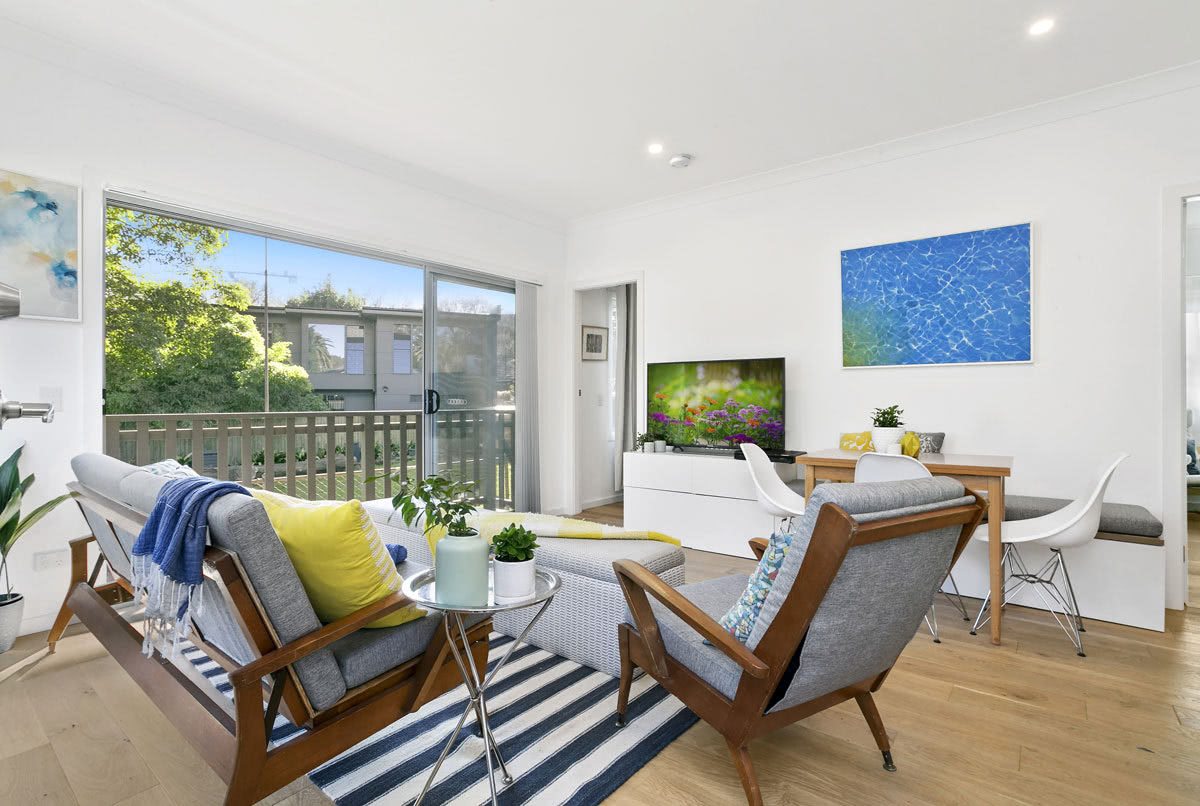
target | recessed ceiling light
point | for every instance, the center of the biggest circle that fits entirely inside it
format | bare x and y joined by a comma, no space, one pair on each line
655,148
1042,26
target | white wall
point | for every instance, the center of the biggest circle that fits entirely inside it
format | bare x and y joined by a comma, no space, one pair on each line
80,130
593,418
752,269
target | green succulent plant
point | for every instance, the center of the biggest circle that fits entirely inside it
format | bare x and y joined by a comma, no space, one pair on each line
514,544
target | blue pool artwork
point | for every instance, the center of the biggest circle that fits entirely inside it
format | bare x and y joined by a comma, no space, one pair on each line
953,299
39,244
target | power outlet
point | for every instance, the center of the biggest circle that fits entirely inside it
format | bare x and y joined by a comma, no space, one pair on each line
49,560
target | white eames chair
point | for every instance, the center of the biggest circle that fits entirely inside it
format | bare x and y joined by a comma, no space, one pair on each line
1073,525
774,496
896,467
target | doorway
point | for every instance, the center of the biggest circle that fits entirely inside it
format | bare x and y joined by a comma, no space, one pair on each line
606,396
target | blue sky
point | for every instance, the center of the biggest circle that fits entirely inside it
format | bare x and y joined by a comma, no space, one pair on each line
295,268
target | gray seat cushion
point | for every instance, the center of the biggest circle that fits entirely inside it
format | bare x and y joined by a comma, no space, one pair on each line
714,597
1121,519
594,558
366,654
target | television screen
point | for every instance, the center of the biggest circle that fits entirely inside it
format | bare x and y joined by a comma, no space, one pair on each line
717,403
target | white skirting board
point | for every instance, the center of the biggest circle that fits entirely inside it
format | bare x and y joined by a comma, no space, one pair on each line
1124,583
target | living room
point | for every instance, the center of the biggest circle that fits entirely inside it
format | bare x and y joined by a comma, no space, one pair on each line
483,174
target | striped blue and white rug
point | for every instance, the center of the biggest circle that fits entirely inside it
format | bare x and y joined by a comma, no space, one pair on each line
554,721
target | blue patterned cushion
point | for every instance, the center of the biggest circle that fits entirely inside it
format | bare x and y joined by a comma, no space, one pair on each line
741,617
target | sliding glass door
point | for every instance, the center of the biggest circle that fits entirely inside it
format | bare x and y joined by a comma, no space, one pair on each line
470,402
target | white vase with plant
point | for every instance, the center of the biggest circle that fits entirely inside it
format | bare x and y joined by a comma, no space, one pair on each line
460,558
513,572
12,526
888,427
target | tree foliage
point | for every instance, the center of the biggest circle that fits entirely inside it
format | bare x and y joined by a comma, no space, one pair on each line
329,298
185,344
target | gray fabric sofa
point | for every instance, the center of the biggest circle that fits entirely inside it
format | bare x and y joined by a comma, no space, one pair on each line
581,623
239,524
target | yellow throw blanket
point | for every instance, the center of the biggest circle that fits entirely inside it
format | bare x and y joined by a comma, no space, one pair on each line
490,524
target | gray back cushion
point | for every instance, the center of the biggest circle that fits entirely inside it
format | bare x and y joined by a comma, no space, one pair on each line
879,595
239,524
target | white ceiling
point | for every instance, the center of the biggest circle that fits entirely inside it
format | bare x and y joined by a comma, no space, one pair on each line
549,104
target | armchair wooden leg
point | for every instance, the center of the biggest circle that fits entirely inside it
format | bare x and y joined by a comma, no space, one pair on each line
626,674
866,704
78,574
741,760
251,747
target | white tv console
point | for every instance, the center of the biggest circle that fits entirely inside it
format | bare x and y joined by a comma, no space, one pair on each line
706,501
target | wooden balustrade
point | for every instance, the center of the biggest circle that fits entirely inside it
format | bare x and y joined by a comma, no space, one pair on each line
474,445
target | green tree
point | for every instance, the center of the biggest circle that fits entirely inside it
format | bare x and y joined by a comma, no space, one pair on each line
185,344
328,298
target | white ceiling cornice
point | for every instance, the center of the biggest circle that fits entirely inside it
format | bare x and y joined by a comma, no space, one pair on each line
1135,90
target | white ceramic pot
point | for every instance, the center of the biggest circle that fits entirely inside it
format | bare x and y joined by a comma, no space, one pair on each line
882,438
647,447
660,446
12,608
512,581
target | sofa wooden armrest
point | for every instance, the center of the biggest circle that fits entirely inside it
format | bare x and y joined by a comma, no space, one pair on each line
637,580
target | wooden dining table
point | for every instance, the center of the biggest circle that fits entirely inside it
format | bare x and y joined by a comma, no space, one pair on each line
984,474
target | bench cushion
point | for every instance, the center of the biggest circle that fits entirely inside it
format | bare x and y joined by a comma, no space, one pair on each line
365,654
1121,519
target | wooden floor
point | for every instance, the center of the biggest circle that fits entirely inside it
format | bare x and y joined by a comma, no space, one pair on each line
1026,723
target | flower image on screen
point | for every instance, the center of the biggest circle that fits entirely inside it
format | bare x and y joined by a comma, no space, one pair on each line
717,403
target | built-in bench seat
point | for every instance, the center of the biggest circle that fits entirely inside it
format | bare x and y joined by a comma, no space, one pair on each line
1126,523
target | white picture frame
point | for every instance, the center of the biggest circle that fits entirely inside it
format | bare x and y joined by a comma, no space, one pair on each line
593,345
40,245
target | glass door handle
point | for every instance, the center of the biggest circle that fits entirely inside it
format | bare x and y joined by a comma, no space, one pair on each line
433,401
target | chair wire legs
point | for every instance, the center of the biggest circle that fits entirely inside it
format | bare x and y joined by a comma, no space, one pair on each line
954,599
1060,601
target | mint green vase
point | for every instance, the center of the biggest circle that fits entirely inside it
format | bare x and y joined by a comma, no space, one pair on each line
460,569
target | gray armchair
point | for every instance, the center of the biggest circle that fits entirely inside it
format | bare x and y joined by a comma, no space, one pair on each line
865,563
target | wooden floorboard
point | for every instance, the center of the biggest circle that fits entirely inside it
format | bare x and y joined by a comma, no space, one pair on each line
1025,723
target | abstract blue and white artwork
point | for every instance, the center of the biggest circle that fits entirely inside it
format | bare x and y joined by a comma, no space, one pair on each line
39,244
953,299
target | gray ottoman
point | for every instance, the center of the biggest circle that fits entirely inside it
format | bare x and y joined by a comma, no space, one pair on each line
581,623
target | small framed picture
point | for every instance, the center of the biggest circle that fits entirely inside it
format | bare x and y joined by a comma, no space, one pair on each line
595,343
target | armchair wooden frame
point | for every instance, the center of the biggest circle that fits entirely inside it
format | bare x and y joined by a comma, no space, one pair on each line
745,717
235,741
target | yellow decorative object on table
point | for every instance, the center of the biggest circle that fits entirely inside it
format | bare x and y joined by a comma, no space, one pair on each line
339,556
856,441
910,444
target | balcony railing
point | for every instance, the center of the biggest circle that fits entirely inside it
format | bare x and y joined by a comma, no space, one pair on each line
334,455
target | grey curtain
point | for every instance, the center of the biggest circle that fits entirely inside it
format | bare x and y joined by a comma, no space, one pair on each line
527,481
625,402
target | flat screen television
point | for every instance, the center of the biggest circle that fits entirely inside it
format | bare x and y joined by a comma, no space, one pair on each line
716,404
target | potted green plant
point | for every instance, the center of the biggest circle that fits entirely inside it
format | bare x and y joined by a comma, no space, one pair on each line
461,557
888,428
513,572
645,443
12,526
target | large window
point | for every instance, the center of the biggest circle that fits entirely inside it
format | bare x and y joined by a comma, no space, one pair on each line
201,317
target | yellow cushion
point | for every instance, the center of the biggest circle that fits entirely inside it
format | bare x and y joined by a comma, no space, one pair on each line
910,444
856,441
338,554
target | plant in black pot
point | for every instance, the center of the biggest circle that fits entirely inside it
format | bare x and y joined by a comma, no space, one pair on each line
12,526
514,568
460,554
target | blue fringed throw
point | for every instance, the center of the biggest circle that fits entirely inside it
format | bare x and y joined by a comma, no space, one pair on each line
169,554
